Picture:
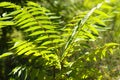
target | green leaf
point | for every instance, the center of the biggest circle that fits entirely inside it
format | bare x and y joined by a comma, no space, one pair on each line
111,50
29,52
98,21
45,22
47,42
47,37
95,59
41,38
91,36
42,53
6,23
111,44
16,69
93,29
24,50
104,52
54,17
21,13
101,13
42,17
31,9
37,33
30,24
58,40
5,18
24,17
32,28
17,44
23,46
81,23
6,54
38,13
25,21
9,5
48,26
30,3
16,12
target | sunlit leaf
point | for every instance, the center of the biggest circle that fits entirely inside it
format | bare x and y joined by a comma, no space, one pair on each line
6,54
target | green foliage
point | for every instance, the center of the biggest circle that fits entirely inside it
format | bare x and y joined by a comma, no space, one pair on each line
48,51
